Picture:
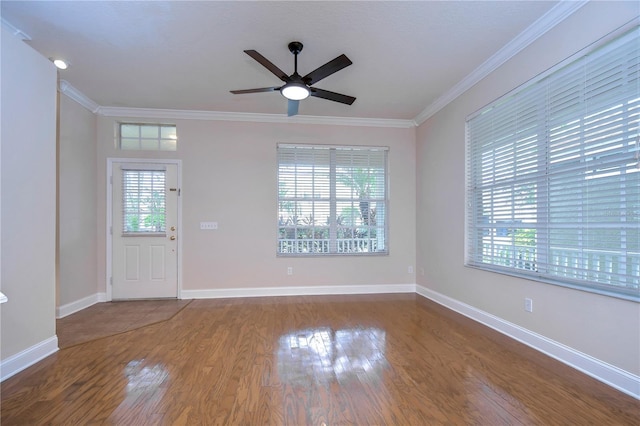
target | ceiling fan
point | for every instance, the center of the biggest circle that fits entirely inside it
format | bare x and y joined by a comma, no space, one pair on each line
297,88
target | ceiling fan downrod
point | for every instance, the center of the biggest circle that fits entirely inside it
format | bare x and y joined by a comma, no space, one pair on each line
295,47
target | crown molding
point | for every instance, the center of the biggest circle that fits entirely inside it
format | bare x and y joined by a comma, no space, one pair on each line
176,114
67,89
546,22
16,32
173,114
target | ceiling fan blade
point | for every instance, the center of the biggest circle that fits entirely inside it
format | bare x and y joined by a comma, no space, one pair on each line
292,108
327,69
262,89
332,96
268,65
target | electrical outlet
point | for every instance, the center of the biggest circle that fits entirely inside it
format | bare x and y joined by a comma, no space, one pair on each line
208,225
410,269
528,304
290,270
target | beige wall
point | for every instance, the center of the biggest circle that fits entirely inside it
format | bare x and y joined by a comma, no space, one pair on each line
603,327
28,197
229,176
77,203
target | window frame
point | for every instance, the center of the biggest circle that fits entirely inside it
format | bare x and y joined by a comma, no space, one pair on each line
333,240
542,257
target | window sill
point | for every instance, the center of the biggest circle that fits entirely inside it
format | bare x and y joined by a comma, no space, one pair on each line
627,295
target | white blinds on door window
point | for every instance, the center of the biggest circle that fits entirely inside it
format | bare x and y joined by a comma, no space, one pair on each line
143,202
332,200
553,175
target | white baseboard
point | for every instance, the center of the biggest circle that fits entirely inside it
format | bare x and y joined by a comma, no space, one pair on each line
297,291
611,375
78,305
18,362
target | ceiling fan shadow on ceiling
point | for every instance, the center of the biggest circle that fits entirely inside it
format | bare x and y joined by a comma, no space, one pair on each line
297,88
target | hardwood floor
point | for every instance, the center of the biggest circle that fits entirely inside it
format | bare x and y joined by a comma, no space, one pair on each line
108,319
330,360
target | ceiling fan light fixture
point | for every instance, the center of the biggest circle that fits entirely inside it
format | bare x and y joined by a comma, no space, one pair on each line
61,64
295,91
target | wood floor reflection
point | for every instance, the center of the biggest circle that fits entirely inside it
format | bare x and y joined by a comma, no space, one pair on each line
330,360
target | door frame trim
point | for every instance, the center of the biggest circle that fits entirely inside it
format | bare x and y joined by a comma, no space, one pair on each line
109,216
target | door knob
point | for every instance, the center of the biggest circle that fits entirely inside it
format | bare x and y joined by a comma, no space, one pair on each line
173,237
173,228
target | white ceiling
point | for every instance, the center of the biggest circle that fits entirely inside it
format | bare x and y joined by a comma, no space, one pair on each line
187,55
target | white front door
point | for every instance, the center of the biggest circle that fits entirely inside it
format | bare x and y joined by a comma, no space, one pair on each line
144,230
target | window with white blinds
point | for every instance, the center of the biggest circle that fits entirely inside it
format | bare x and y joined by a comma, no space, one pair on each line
332,200
143,201
553,175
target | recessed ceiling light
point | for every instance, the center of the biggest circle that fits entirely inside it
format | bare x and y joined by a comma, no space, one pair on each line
60,64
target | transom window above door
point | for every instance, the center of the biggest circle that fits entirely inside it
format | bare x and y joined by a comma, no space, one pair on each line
147,137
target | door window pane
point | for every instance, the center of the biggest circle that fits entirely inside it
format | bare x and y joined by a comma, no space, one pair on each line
143,201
